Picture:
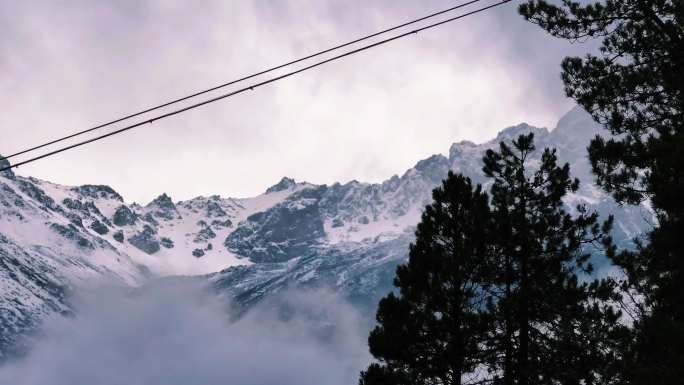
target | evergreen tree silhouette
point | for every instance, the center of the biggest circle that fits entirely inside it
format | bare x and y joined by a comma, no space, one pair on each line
431,331
546,307
635,87
501,294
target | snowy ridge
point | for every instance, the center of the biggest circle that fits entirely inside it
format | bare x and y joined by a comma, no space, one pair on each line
351,237
55,239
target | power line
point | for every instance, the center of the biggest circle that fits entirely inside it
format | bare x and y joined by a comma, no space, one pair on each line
198,93
253,86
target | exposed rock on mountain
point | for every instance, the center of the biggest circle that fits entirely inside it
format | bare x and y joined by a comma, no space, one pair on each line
287,230
162,207
284,184
5,163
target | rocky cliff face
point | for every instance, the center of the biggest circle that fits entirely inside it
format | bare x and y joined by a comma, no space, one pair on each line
56,239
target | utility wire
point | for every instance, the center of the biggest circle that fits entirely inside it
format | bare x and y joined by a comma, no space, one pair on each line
253,86
240,79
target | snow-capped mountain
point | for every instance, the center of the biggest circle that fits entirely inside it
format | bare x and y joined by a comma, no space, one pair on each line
56,239
352,236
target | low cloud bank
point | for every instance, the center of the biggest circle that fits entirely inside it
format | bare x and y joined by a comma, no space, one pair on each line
182,335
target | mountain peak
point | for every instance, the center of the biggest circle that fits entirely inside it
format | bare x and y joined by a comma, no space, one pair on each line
433,168
163,201
577,124
5,163
457,150
430,162
284,184
511,133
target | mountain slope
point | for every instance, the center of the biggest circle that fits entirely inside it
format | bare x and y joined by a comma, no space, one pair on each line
56,239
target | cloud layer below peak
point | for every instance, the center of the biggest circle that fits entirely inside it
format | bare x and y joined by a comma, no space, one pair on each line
181,335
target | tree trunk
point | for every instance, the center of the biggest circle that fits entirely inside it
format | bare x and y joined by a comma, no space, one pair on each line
523,359
523,311
508,350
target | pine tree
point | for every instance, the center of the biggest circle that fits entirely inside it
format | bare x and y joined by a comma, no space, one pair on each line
635,88
431,331
544,303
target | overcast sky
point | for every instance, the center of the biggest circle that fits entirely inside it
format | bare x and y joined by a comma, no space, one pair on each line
68,65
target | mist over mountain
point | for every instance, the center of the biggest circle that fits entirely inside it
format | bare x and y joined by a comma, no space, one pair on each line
179,335
57,240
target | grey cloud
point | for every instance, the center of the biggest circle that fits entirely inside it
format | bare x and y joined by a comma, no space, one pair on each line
177,335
